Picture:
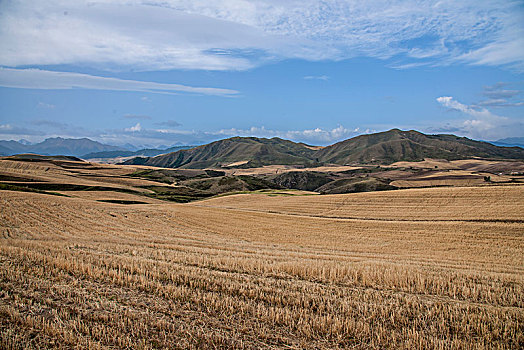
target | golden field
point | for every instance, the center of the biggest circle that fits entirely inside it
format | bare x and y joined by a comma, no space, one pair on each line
414,269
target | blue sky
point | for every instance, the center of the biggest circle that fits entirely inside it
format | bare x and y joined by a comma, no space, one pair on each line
187,72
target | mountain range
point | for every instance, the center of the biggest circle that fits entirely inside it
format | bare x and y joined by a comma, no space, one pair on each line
56,146
84,148
146,152
379,148
510,142
384,147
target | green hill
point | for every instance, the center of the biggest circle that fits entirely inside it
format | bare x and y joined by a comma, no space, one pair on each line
380,148
244,151
397,145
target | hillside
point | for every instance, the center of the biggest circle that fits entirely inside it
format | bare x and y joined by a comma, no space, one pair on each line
235,151
380,148
397,145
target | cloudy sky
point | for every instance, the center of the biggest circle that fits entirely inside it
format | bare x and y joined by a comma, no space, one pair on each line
192,71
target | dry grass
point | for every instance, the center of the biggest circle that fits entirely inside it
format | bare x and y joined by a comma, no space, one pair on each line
448,204
493,166
414,269
452,178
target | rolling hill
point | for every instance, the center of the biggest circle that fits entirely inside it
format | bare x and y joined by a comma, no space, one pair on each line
235,151
380,148
397,145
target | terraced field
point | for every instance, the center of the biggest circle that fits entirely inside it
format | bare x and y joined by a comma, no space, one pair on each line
424,268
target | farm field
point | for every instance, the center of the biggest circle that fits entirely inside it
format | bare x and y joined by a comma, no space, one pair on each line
91,259
260,174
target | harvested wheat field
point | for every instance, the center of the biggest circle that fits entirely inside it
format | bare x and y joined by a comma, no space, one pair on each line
412,269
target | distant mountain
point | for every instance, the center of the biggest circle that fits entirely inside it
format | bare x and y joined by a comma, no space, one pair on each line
57,146
510,142
4,151
235,151
397,145
147,152
8,148
380,148
74,147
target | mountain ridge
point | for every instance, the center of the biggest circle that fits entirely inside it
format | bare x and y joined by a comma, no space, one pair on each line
378,148
57,146
145,152
251,150
510,142
411,145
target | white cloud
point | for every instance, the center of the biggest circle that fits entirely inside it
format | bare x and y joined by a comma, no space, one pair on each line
481,113
316,77
45,105
499,93
483,124
7,131
135,128
499,102
409,65
51,124
502,94
139,135
506,48
240,34
315,136
44,79
170,123
112,34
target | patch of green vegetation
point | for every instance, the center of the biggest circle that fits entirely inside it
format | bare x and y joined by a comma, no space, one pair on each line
268,192
16,178
202,185
255,183
120,201
277,194
29,157
158,176
364,170
355,184
227,181
9,187
177,199
302,180
140,173
180,194
174,176
214,173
